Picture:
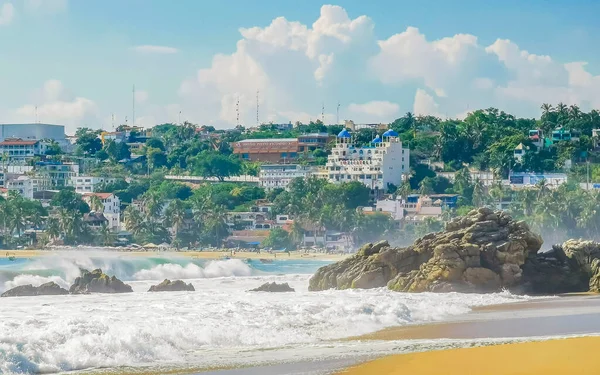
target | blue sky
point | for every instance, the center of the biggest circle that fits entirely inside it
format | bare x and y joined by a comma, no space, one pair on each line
76,61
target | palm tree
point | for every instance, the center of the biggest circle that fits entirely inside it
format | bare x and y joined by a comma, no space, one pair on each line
53,228
574,112
546,109
105,235
478,193
175,215
404,190
134,221
543,188
96,204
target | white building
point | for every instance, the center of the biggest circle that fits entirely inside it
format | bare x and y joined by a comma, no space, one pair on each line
89,184
519,152
112,207
381,163
520,180
487,178
20,149
50,175
21,184
274,176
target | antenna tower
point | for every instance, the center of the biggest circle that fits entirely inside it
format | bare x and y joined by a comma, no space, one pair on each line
237,111
338,114
323,113
257,123
36,116
133,106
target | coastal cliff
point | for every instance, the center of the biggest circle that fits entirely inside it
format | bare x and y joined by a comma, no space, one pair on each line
482,251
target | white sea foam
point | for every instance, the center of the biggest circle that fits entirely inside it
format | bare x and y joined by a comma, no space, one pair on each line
63,333
222,268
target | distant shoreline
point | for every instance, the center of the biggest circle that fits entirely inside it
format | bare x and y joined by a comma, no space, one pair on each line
209,255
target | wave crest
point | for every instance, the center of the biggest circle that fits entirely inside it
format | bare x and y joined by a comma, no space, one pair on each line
217,268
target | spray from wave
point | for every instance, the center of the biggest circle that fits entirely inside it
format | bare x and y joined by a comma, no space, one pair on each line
225,268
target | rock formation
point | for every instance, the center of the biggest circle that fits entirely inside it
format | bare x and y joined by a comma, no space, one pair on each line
573,266
273,287
98,282
482,251
47,289
172,286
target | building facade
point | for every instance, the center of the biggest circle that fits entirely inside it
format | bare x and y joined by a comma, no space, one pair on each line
112,208
89,184
382,163
275,150
50,175
18,149
308,143
21,184
273,176
34,131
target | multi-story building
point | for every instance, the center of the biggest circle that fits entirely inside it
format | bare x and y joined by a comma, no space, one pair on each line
112,207
89,184
311,142
520,180
18,149
21,184
274,176
50,175
382,163
274,150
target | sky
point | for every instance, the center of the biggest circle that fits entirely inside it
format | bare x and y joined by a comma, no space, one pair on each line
75,62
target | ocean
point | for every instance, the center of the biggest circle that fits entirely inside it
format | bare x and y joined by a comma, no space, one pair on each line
221,324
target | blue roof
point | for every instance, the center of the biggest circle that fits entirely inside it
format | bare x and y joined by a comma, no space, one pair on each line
390,133
344,134
376,140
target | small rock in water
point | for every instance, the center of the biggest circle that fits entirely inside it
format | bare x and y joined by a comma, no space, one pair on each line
172,286
98,282
273,287
47,289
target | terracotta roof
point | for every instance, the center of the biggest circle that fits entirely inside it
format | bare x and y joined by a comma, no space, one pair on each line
99,195
18,142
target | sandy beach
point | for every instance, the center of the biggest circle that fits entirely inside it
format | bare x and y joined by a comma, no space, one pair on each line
553,357
192,254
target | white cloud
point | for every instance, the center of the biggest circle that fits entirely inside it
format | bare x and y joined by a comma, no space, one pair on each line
7,13
377,109
409,56
425,104
55,105
483,83
141,96
46,6
155,49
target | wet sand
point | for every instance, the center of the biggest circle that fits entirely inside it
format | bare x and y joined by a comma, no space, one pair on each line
553,357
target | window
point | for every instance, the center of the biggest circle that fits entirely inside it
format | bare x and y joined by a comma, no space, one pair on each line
245,156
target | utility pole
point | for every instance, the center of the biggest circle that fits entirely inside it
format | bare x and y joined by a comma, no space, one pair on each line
587,165
338,114
237,111
36,117
179,117
323,113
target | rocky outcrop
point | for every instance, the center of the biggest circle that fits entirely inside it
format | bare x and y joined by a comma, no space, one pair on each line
98,282
573,266
273,287
47,289
172,286
482,251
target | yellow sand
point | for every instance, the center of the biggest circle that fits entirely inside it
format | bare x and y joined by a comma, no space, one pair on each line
554,357
192,254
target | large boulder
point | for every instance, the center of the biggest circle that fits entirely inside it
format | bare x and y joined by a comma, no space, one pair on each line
482,251
573,266
273,288
98,282
172,286
47,289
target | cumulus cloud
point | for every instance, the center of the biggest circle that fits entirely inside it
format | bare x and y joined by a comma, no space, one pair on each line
155,49
55,105
425,104
7,13
284,61
378,109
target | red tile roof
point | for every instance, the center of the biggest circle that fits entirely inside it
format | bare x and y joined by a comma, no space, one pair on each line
99,195
18,142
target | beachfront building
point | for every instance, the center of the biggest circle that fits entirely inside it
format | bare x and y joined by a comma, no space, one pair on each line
418,208
89,184
273,176
111,207
382,163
